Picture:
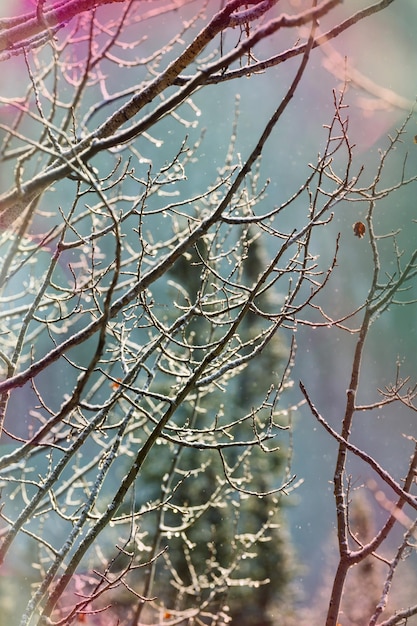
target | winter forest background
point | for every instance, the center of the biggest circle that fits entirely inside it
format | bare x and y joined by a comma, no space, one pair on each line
208,378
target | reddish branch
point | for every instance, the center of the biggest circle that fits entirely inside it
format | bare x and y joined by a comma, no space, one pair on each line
33,28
